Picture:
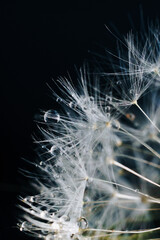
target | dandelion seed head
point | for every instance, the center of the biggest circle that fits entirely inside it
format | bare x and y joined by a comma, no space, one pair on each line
93,174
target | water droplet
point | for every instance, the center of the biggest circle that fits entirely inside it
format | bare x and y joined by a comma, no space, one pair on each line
91,98
108,98
131,91
84,108
31,199
59,99
137,190
87,199
41,163
119,82
107,109
51,115
83,223
52,150
71,104
22,227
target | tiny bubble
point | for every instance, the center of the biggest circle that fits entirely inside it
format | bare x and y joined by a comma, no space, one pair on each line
70,104
131,91
91,98
107,109
31,199
52,149
119,82
22,227
108,98
51,115
83,223
41,163
59,99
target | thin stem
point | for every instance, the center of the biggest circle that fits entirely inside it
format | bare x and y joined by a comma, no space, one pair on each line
138,209
141,142
103,203
133,172
125,187
120,231
139,160
136,103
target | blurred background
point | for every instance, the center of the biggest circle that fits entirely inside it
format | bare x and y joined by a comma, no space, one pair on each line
41,41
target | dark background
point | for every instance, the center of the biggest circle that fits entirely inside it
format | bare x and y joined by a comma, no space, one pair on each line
41,41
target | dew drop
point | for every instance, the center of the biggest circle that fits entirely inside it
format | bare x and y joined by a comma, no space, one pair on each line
91,98
84,108
52,150
83,223
31,199
25,199
22,227
107,109
87,199
131,91
119,82
71,104
51,115
59,99
108,98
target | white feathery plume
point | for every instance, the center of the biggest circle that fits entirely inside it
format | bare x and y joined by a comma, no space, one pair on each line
98,174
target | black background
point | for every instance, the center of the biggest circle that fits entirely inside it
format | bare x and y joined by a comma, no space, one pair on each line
42,40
